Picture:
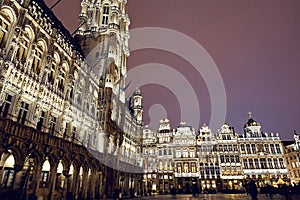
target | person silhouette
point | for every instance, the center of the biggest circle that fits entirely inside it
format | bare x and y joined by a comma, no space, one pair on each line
252,190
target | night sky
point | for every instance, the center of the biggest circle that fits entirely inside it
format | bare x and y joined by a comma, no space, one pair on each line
254,43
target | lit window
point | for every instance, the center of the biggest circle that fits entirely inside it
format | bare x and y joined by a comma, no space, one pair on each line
23,48
45,174
186,168
193,168
192,153
37,60
4,25
179,168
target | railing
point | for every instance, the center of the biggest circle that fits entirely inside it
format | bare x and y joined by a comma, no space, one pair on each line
12,129
260,139
15,129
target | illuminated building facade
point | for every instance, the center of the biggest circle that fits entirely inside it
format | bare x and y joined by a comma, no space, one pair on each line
229,158
209,168
185,158
262,155
66,128
165,161
149,155
216,162
292,157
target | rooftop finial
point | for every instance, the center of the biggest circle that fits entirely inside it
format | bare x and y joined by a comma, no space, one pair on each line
250,114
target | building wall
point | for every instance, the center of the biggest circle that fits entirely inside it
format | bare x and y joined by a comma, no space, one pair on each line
292,155
229,158
66,127
262,155
185,157
217,161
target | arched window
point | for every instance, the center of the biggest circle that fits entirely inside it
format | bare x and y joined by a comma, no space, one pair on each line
105,14
70,181
4,24
37,57
80,91
53,69
80,178
6,20
7,180
59,177
24,45
186,168
63,76
45,176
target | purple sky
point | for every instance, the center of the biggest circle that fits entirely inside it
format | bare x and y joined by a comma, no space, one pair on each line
254,43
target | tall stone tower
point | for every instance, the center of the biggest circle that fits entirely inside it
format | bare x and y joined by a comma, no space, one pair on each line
103,35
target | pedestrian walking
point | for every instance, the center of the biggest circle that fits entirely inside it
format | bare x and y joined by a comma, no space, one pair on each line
252,190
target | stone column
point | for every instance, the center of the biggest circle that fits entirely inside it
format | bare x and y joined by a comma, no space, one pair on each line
98,184
52,181
92,184
75,184
18,175
37,170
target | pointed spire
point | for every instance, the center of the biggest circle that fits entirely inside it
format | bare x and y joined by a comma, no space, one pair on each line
295,132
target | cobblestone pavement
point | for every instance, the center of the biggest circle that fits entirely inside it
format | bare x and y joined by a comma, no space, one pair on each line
214,197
